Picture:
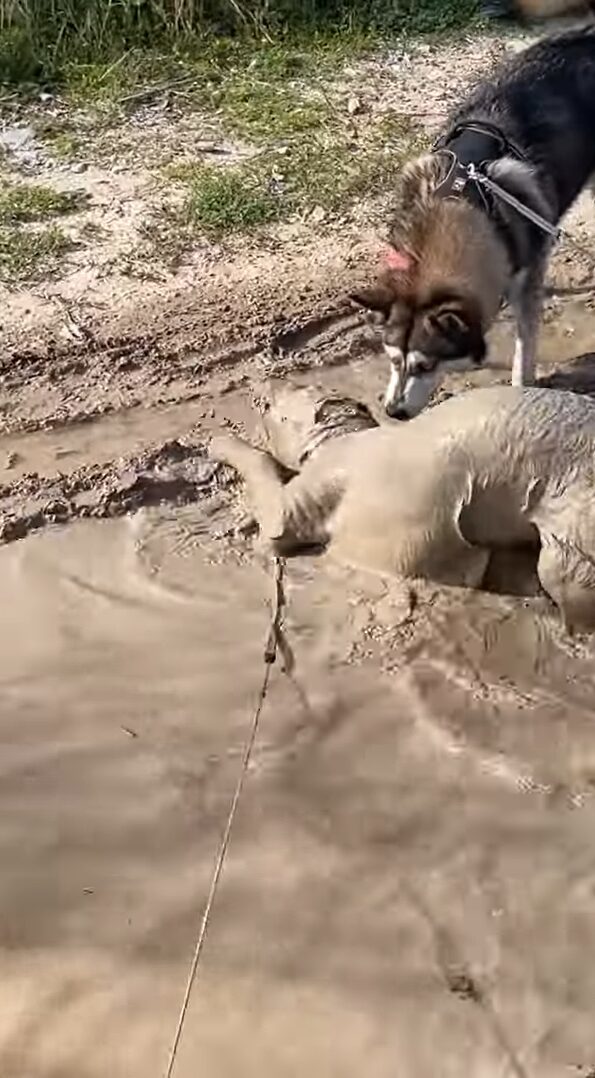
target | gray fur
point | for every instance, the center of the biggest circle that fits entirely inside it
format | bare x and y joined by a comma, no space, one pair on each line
488,470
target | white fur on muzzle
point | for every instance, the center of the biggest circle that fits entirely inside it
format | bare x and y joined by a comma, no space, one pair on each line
394,387
407,394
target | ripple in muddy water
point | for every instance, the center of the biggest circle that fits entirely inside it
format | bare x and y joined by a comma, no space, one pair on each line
418,816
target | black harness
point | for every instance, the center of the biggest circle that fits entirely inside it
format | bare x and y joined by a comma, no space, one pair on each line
334,417
479,144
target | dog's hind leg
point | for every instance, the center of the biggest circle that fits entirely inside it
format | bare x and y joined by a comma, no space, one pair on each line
263,476
567,574
526,300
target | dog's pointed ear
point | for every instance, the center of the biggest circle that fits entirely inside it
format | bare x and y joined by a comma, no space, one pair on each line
450,321
378,298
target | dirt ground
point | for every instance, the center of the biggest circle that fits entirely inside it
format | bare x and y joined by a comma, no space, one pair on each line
409,890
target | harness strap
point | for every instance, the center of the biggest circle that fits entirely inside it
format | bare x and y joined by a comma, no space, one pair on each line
457,139
472,146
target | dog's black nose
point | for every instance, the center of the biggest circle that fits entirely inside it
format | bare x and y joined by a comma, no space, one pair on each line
397,411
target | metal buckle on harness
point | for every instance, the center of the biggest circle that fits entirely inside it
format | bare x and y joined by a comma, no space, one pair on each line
459,184
457,179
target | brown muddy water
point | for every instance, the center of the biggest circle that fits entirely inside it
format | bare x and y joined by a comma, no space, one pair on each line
410,884
409,890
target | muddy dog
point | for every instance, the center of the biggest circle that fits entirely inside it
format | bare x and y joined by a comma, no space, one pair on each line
487,470
459,244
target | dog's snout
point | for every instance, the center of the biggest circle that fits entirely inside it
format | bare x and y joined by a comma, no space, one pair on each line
397,410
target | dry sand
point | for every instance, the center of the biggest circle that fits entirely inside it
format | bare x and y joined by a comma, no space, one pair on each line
410,888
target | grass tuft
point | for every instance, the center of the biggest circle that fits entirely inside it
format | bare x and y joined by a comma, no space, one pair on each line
25,249
221,200
20,203
59,136
266,110
26,254
319,173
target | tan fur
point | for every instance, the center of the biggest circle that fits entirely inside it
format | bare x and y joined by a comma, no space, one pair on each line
452,243
415,200
486,470
294,411
544,9
462,251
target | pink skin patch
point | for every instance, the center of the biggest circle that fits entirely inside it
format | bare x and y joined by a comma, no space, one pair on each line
397,260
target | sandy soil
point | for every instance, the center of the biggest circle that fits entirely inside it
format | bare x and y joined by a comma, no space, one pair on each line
409,889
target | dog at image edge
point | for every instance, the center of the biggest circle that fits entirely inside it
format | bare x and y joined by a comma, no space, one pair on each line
457,250
546,9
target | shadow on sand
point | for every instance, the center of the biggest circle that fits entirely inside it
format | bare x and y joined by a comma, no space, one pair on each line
577,376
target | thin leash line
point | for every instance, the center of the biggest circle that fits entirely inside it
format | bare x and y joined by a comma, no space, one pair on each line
525,211
554,231
269,656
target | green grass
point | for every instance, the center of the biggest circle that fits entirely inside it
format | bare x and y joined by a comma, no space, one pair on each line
221,200
327,172
60,137
101,46
263,69
261,110
21,203
208,71
25,250
25,254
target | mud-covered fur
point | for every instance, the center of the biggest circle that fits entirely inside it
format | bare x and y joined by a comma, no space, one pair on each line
492,470
333,418
298,421
456,264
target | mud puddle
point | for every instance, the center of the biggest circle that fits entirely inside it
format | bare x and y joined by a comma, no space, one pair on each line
413,861
78,418
414,848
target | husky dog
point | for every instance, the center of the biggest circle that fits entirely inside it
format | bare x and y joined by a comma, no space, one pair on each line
458,248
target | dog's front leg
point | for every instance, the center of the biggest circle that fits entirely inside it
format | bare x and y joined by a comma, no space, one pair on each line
526,301
263,475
